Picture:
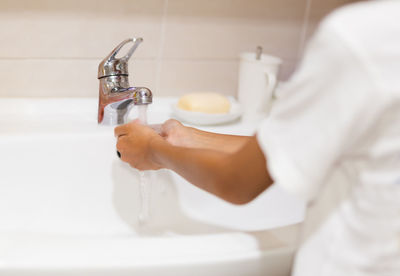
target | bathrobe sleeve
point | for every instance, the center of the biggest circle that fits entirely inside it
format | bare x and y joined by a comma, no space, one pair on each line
321,114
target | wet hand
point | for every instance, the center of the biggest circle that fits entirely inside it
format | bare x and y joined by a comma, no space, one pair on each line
175,133
133,143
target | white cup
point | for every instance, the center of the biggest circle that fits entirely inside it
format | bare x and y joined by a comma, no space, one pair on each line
257,82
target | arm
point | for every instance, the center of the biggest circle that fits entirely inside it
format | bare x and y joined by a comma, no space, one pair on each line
179,135
237,177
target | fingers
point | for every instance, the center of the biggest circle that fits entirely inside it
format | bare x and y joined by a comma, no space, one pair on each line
169,125
121,130
121,146
160,129
133,144
126,155
124,129
157,128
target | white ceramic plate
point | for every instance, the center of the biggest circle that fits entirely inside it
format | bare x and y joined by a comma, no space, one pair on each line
200,118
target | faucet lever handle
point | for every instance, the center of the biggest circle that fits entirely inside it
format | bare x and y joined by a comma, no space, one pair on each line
136,42
112,66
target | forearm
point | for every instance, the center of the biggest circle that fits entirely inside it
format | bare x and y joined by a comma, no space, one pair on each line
215,141
179,135
200,167
236,177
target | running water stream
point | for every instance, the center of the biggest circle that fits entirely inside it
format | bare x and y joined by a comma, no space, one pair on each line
144,178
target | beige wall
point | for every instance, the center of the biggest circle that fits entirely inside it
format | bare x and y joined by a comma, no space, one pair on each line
52,48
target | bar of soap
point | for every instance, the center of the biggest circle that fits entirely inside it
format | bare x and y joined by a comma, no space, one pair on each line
212,103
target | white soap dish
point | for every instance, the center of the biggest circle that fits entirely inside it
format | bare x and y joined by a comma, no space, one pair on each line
200,118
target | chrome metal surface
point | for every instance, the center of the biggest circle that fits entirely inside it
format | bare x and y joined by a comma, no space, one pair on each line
112,66
143,96
116,96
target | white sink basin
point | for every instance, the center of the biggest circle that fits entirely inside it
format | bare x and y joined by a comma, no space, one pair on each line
69,206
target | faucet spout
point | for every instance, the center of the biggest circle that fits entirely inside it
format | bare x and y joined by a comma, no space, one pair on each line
114,107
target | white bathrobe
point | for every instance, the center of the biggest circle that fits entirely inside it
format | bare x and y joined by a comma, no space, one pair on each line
333,139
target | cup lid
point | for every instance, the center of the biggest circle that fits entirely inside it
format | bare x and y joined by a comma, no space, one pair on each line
264,58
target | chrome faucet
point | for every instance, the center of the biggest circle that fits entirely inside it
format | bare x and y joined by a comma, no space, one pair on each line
116,97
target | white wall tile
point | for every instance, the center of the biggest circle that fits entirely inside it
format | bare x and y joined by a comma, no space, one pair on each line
63,78
77,29
227,39
185,76
52,48
240,9
321,8
224,28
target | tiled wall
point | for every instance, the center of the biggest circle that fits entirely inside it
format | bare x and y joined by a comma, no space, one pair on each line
52,48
